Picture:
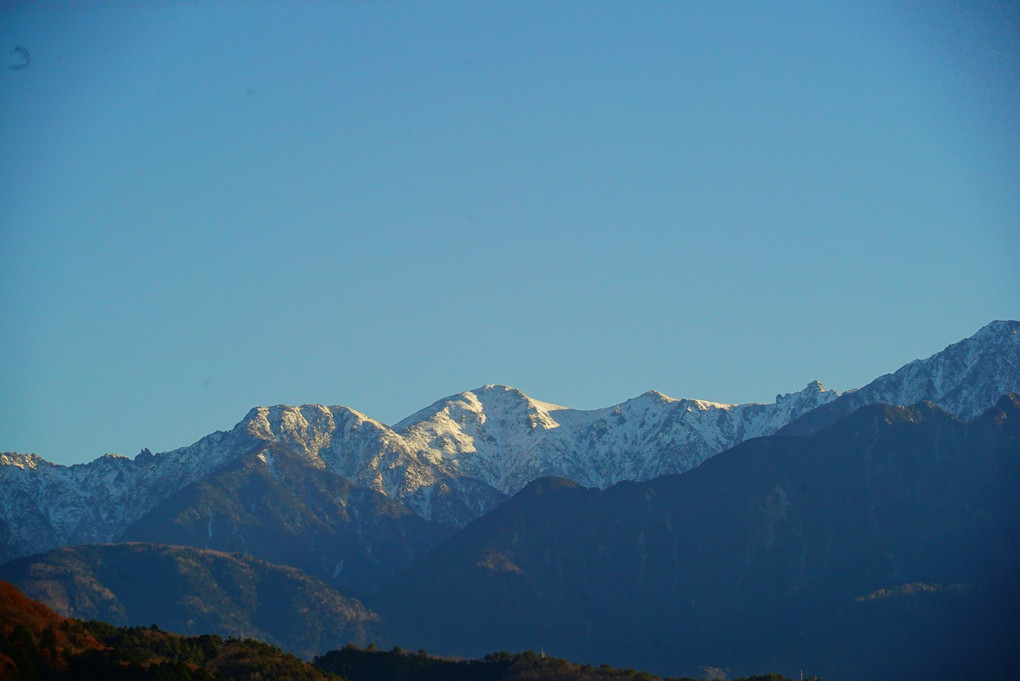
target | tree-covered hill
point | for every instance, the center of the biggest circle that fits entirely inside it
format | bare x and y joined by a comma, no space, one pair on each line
36,644
368,664
194,591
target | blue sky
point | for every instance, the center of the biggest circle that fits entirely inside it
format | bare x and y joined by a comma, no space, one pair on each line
206,207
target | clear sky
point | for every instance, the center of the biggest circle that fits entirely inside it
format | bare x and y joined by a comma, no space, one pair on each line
207,207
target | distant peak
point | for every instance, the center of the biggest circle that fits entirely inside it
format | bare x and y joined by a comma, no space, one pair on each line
268,422
497,388
23,460
993,338
1000,327
810,391
814,387
500,391
145,456
276,411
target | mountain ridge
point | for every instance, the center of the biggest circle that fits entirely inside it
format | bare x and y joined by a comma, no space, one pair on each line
966,378
882,546
193,591
456,459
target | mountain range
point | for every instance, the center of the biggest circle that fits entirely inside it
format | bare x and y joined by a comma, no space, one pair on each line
882,545
892,531
836,530
458,458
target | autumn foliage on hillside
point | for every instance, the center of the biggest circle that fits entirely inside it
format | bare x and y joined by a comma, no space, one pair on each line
36,644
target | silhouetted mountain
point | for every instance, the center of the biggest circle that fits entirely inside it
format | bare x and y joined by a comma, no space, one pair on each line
356,664
193,591
37,644
884,546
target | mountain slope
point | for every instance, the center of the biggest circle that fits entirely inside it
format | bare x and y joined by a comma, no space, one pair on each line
43,505
27,628
276,506
965,379
500,435
193,591
883,546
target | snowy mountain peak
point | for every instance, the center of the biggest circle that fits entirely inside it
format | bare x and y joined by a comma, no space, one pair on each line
814,387
656,396
810,392
23,461
965,379
1002,329
504,398
300,425
473,408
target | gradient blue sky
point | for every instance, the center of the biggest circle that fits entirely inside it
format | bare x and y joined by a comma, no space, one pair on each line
211,206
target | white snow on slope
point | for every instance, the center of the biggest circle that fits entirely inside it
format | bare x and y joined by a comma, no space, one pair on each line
965,379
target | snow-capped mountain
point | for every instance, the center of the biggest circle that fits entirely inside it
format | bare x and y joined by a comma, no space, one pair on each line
500,435
45,505
456,459
965,379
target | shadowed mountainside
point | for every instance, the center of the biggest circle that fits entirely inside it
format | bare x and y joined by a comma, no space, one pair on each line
883,545
193,591
276,506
